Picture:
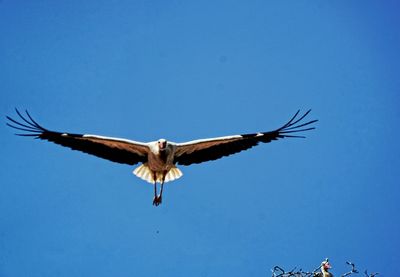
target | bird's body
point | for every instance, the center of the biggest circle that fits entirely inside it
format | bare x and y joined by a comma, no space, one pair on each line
160,165
159,159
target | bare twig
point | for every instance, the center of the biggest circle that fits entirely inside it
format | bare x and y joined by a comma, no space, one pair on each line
278,271
353,269
370,275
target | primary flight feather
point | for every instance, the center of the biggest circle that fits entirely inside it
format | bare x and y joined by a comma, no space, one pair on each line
159,159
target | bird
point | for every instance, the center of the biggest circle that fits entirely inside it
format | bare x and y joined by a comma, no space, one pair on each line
325,266
159,159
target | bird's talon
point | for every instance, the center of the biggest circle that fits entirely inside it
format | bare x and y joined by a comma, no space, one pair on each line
157,200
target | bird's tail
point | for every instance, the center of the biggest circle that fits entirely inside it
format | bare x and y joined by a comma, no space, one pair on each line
144,173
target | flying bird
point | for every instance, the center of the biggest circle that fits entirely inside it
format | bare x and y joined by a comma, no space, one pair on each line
159,159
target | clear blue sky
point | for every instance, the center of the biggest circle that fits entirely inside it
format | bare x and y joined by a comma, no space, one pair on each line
185,70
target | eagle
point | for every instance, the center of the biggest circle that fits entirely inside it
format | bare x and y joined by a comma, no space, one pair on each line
159,159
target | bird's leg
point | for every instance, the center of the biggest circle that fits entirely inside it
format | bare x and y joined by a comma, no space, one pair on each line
155,199
162,187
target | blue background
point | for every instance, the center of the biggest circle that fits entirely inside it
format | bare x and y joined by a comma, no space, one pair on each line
185,70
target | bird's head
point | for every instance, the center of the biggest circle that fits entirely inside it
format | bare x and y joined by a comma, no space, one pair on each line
326,265
162,144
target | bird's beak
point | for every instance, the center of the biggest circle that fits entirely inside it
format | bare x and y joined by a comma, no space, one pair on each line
162,145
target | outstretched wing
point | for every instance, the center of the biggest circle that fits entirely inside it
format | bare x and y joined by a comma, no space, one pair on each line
113,149
198,151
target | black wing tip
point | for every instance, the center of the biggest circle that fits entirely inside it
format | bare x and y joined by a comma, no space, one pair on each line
294,125
26,124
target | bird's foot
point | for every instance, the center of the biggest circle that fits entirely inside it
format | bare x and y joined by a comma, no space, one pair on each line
157,200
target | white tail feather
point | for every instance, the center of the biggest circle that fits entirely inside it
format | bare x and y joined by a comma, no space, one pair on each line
144,173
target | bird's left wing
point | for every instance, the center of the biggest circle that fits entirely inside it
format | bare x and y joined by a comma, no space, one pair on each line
198,151
113,149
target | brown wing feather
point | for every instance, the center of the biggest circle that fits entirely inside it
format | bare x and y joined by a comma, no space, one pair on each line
211,149
214,151
113,149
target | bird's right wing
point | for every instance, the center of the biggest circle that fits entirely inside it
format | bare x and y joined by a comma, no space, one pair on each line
113,149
